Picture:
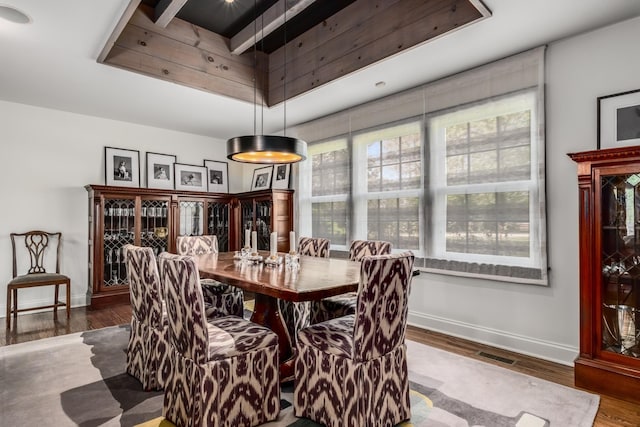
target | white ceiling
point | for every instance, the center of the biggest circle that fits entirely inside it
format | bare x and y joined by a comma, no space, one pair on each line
52,63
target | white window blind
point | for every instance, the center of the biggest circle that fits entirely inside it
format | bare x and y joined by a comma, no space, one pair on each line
453,170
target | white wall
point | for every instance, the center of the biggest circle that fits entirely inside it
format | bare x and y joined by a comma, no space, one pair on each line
543,321
48,156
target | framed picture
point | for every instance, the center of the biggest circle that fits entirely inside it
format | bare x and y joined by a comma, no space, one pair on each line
160,170
281,176
190,177
262,178
218,176
121,167
619,119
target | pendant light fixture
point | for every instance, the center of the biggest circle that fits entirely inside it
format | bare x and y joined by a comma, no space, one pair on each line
267,149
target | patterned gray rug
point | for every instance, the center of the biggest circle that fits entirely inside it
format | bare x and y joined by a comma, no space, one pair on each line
79,380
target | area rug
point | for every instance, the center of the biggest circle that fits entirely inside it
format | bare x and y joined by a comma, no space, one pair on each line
80,380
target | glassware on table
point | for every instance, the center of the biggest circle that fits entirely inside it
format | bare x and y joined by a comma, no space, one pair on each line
292,260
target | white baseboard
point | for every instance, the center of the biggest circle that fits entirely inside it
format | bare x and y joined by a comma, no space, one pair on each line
546,350
76,301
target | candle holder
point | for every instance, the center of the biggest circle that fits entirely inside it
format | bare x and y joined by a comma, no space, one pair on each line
273,260
245,252
292,260
253,258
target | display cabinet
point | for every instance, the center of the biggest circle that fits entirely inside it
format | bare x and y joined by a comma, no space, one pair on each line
609,220
145,217
264,212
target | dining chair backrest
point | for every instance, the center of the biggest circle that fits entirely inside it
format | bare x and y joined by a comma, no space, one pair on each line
314,246
362,248
185,306
197,245
145,289
36,243
383,303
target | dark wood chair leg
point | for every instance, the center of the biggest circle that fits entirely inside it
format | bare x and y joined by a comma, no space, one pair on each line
68,299
55,301
8,318
15,303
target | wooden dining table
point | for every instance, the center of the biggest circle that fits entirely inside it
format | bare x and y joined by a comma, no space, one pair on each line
314,279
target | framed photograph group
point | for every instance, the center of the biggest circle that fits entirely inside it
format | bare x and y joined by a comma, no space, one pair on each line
218,176
190,177
121,167
262,178
160,170
619,119
281,175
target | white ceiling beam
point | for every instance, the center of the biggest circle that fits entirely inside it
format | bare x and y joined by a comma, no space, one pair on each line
267,23
166,10
124,19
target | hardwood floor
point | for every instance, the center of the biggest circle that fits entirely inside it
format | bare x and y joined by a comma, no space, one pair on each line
612,412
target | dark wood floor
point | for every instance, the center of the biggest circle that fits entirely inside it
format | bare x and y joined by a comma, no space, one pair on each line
612,412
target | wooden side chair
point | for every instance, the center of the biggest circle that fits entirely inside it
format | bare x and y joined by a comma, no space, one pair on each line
37,244
224,370
148,347
220,298
352,371
342,305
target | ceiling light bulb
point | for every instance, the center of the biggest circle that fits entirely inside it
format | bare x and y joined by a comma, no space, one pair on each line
12,14
229,1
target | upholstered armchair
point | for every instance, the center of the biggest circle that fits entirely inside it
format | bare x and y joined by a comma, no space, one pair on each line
352,370
341,305
148,346
297,315
225,370
220,298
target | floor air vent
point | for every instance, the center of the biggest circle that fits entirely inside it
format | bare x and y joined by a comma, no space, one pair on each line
495,357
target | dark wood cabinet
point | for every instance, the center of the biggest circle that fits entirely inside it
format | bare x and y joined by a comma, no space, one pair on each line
264,212
154,218
609,220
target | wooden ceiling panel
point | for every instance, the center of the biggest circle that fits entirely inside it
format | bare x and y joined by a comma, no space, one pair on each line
339,49
356,36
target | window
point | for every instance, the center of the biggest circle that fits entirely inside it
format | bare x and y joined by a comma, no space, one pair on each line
484,183
325,210
387,172
453,171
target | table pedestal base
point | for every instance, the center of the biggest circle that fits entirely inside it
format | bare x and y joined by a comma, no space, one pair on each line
266,312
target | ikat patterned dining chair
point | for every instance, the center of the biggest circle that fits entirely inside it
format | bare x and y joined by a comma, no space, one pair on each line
224,370
148,341
352,371
297,315
341,305
220,298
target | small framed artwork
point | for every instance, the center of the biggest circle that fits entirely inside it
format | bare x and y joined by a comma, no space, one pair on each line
619,119
190,177
281,176
160,170
262,178
121,167
218,176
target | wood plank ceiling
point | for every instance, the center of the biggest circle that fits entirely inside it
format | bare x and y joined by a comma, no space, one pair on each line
221,47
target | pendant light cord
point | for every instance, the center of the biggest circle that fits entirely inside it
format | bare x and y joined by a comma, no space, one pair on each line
255,67
285,70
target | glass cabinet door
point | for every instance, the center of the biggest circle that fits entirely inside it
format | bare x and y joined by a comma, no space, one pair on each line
191,218
218,223
119,230
620,234
154,232
263,223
